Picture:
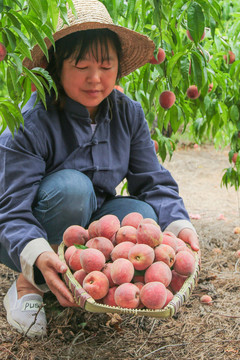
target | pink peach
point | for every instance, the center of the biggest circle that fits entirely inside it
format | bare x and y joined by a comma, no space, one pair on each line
126,233
96,284
153,295
149,234
122,271
80,276
101,243
75,234
141,256
127,296
107,226
177,281
184,263
92,259
121,250
158,271
132,219
109,298
165,253
74,260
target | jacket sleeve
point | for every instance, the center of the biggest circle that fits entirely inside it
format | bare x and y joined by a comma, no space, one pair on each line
22,167
151,182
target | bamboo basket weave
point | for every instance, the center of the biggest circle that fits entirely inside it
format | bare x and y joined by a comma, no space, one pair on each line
85,301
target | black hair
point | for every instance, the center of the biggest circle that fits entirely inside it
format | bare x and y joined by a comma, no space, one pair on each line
76,46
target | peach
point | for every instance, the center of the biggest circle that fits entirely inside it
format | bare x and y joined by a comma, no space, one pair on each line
127,296
92,232
180,242
177,281
210,87
75,234
96,284
132,219
101,243
107,226
165,253
109,298
3,51
140,285
126,233
160,57
149,234
121,250
206,299
192,92
122,271
167,99
231,57
185,248
141,256
170,240
156,146
158,271
190,37
80,276
149,221
184,263
107,271
92,259
69,251
153,295
74,260
169,297
234,158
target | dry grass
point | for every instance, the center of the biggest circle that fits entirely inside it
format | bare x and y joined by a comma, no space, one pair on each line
196,332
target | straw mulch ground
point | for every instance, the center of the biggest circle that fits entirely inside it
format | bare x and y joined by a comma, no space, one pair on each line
197,331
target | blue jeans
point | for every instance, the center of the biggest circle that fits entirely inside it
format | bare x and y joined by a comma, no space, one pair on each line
67,198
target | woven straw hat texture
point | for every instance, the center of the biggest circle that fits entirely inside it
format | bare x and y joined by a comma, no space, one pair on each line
137,49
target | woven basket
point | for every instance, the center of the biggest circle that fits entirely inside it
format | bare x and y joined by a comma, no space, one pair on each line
85,301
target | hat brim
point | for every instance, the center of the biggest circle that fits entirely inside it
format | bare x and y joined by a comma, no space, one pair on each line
137,49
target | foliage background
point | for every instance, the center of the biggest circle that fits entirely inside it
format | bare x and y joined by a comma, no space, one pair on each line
213,116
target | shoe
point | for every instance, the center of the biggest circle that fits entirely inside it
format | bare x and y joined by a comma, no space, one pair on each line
21,313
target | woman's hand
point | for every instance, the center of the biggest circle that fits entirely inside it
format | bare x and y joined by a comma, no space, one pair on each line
51,266
190,237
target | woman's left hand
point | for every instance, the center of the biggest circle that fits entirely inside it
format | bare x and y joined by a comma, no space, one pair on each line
189,237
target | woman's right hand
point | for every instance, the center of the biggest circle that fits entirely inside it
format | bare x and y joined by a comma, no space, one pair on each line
51,266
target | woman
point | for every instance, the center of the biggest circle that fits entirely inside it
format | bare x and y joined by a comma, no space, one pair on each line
64,166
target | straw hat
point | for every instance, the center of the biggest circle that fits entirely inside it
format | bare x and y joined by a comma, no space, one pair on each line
137,49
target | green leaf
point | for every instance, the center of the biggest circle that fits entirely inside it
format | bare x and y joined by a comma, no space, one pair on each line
11,38
40,7
78,246
195,21
1,6
37,83
234,113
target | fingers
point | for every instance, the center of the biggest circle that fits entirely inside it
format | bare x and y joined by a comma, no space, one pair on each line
190,237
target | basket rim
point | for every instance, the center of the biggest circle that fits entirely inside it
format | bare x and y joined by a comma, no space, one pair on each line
85,301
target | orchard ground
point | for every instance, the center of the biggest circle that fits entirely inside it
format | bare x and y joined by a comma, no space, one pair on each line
197,331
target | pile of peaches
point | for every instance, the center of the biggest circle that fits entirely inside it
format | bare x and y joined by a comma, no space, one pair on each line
131,264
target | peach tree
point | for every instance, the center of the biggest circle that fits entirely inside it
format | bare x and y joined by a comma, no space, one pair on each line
201,68
23,24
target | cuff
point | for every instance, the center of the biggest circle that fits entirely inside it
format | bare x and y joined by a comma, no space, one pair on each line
28,257
176,226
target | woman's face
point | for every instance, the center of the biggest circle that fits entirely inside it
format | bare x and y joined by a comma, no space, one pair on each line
89,82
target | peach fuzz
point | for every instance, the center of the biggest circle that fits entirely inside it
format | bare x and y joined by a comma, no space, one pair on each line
158,271
149,234
80,275
101,243
92,232
75,234
122,271
96,284
107,271
74,260
141,256
121,250
127,296
167,99
149,221
153,295
132,219
69,251
184,263
177,281
185,248
92,259
206,299
107,226
126,233
165,253
109,298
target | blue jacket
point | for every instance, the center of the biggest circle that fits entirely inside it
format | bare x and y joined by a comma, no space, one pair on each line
120,147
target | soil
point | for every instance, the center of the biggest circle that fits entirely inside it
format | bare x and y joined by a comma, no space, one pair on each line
197,331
